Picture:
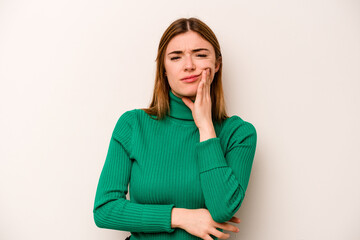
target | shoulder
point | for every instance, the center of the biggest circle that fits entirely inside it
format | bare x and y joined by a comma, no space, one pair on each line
127,117
236,123
236,129
125,122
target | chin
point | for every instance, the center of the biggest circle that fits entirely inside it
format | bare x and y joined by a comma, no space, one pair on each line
189,94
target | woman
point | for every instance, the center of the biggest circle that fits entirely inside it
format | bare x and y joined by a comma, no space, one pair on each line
188,164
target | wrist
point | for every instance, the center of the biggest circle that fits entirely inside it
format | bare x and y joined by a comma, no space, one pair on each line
177,215
207,133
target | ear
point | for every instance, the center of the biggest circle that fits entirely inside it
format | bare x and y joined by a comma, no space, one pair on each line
217,64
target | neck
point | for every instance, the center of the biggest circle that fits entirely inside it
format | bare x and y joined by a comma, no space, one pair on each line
178,109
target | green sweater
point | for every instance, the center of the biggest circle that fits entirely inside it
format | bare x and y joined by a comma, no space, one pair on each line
165,165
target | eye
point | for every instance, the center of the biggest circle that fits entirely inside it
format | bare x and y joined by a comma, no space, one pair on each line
199,55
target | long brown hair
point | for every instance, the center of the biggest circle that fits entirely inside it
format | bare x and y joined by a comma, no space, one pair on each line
159,105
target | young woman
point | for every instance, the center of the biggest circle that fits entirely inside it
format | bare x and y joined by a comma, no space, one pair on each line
187,163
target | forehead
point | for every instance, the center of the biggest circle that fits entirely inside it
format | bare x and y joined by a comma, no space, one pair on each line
188,41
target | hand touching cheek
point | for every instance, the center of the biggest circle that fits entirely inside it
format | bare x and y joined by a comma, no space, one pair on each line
201,108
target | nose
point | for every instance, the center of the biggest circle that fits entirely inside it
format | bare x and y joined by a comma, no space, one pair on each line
189,64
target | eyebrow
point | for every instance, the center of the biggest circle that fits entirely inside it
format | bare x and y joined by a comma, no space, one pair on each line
194,50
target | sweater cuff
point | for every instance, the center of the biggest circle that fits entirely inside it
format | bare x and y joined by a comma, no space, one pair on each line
210,155
157,217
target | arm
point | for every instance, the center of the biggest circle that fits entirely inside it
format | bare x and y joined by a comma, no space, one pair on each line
111,208
224,176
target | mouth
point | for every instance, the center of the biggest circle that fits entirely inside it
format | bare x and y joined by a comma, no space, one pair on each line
191,78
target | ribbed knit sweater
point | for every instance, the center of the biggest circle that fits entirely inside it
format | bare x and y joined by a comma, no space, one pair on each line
165,165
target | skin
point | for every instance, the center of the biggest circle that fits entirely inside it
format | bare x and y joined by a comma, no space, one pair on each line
186,63
197,222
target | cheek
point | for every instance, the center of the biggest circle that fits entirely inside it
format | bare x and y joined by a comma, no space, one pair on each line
208,63
172,69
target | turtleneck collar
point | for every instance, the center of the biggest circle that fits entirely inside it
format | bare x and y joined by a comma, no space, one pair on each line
178,109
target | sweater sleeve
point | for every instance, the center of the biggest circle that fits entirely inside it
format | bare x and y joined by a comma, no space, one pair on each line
111,208
224,175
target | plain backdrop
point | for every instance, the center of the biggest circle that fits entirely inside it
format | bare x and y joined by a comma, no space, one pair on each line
69,69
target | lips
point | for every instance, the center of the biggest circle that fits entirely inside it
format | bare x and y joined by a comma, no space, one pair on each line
190,77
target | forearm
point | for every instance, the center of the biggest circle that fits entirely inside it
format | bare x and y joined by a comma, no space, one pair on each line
226,171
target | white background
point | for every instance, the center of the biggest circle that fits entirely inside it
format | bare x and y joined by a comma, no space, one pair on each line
69,69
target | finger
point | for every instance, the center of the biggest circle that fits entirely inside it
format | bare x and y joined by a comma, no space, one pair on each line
203,83
209,75
205,88
204,91
199,92
204,77
235,220
188,103
219,234
207,237
208,83
227,227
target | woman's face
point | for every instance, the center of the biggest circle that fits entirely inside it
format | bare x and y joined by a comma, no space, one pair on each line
188,54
